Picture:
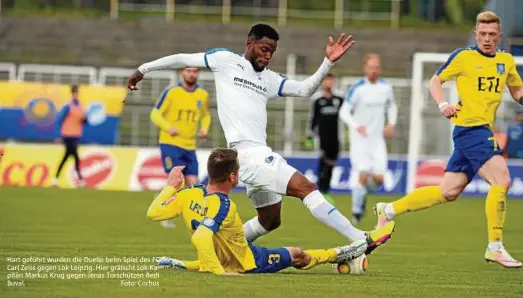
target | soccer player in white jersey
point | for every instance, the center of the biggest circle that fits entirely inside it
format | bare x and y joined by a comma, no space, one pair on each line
364,110
243,86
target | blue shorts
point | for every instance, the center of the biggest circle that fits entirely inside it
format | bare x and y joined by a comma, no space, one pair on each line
173,156
270,260
473,146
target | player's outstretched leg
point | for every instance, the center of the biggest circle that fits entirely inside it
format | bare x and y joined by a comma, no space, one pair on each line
307,259
495,172
171,263
423,197
299,186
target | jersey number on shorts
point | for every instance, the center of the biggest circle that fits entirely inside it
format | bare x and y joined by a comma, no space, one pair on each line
496,146
274,258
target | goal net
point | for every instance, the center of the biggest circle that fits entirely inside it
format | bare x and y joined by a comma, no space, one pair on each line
430,134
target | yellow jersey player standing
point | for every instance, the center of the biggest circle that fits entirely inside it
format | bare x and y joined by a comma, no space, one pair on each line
182,114
217,230
481,73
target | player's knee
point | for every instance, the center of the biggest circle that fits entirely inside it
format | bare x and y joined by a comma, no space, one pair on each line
450,194
378,179
502,178
306,188
271,222
363,179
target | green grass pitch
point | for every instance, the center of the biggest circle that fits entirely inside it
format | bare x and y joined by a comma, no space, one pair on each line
435,253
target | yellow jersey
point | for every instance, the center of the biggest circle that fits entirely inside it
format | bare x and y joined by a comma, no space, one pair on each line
480,81
185,110
215,226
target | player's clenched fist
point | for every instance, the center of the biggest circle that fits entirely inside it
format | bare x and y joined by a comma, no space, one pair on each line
448,110
136,77
175,178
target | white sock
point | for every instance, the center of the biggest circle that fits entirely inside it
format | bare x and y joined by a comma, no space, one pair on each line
389,211
496,245
326,213
358,199
253,229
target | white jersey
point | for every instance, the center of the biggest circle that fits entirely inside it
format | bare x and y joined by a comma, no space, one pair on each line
242,95
367,104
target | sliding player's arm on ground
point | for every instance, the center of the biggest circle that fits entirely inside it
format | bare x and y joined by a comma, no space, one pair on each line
202,239
308,86
219,213
205,121
515,85
161,106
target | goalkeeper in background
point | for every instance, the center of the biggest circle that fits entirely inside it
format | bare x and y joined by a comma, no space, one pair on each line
481,73
323,122
217,230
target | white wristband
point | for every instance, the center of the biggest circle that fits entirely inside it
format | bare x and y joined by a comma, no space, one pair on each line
442,104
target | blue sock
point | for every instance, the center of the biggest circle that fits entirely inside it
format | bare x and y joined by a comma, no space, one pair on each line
358,199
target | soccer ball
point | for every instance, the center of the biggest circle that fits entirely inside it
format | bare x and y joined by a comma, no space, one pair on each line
356,266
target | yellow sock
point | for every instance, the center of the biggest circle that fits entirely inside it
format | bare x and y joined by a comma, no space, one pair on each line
419,199
495,208
320,256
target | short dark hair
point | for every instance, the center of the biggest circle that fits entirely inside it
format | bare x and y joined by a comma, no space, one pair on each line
74,88
330,75
221,163
260,31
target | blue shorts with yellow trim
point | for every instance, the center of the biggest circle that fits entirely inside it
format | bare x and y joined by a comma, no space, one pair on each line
473,147
173,156
270,260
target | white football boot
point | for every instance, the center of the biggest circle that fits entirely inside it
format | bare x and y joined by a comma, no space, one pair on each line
501,256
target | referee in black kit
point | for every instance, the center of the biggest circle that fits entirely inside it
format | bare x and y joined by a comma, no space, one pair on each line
324,110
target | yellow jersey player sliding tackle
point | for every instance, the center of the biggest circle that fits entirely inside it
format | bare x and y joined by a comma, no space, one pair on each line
217,230
481,73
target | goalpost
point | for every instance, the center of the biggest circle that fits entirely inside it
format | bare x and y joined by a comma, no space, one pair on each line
430,134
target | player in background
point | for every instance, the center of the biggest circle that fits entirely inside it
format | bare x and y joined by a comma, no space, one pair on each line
323,120
481,73
182,115
243,87
370,112
71,120
217,230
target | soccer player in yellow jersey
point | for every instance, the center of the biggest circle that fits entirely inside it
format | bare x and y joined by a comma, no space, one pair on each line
481,73
182,114
217,230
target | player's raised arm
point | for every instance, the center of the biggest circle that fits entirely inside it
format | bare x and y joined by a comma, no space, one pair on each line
307,87
173,61
165,205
